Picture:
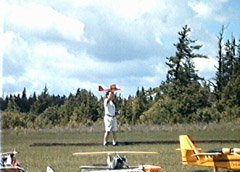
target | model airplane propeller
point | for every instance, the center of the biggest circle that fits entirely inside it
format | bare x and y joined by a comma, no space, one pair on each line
227,158
115,161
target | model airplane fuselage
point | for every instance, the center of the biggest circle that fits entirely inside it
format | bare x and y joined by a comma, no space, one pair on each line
227,158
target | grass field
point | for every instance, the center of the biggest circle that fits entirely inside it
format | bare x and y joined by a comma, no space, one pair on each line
59,144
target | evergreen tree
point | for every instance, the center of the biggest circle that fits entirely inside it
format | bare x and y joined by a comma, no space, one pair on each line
228,61
42,103
126,110
12,104
181,65
182,95
24,104
139,105
218,87
3,103
231,92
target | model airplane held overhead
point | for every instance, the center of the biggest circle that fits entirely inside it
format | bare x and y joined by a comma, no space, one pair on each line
226,158
112,87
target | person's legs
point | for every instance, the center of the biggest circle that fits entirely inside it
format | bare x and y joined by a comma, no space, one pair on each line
110,127
114,131
107,123
114,138
105,139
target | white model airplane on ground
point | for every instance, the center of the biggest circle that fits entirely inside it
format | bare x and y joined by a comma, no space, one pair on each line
118,163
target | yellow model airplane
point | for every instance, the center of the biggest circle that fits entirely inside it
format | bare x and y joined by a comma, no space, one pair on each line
227,158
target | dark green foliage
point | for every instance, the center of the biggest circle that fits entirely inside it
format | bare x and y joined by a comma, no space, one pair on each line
12,105
228,90
231,93
179,103
228,60
125,115
12,119
44,100
50,117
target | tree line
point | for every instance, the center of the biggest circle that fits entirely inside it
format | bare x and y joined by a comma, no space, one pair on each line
184,97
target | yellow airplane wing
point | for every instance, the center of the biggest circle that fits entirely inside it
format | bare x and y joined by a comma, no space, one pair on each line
114,152
236,154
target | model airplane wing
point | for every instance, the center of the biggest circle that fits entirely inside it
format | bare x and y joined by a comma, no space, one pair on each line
8,153
114,152
207,154
203,153
237,154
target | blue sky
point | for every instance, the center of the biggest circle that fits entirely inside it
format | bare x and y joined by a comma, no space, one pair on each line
71,44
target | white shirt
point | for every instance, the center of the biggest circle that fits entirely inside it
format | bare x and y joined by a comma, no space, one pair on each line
109,108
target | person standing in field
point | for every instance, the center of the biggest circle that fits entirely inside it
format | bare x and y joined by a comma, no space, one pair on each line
110,120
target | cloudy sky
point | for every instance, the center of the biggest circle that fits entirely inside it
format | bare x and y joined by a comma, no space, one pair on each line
71,44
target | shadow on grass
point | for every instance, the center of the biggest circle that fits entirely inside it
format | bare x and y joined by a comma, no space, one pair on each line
131,143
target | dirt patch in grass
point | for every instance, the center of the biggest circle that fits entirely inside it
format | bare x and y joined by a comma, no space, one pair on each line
132,143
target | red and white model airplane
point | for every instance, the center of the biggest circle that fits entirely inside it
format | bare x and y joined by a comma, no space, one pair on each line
112,87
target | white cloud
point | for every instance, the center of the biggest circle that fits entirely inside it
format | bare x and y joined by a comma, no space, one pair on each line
205,65
58,68
209,9
202,9
36,18
131,9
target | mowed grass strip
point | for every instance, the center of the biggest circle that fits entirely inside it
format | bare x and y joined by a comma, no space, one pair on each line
61,143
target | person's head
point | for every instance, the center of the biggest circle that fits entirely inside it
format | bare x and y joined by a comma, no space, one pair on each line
110,94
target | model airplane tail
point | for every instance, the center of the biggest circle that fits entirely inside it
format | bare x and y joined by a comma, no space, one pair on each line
49,169
100,88
188,150
113,88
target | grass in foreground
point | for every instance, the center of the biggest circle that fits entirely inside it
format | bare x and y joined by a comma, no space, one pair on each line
37,158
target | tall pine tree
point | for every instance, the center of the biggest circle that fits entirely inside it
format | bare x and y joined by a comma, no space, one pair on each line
182,95
181,65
